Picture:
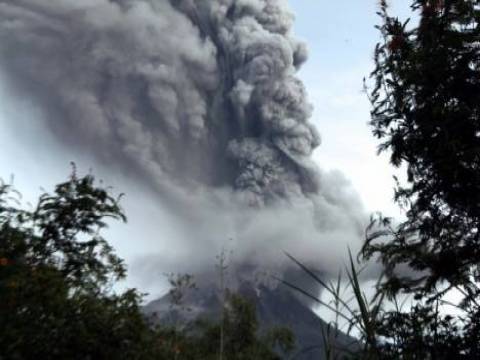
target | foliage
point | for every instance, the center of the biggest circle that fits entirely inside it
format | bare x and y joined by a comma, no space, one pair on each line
56,276
426,112
200,340
356,312
241,335
56,300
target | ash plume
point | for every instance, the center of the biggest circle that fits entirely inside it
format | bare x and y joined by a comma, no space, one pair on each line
200,101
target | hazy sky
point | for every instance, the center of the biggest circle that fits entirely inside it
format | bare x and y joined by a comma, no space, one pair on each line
340,36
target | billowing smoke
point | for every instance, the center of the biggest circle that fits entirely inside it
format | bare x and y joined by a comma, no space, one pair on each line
200,101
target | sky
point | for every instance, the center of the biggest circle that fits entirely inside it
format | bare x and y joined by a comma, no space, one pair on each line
340,37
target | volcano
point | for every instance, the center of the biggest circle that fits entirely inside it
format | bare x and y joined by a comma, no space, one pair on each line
199,103
277,306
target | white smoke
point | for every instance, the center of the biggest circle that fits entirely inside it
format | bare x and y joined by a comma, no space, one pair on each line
200,100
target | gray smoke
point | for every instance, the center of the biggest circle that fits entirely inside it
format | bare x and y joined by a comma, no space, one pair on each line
200,101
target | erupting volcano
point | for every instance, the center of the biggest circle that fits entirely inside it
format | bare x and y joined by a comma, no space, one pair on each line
199,101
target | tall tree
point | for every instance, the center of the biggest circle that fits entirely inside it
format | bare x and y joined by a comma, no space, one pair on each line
57,274
426,112
56,278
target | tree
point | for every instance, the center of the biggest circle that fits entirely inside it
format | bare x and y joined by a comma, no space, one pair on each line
56,274
241,338
56,300
426,112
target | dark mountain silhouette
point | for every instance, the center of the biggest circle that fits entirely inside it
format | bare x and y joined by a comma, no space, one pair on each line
275,307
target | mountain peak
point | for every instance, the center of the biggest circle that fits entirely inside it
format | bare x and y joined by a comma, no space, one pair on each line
276,306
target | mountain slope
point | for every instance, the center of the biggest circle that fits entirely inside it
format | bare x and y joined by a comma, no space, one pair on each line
275,307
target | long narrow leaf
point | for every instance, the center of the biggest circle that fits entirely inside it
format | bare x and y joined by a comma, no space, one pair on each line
321,282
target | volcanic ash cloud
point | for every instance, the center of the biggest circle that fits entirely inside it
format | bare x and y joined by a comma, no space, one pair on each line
199,99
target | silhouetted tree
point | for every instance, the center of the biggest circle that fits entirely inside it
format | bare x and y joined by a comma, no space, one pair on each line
56,290
242,339
56,274
426,112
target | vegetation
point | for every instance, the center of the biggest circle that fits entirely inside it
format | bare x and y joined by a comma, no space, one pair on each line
57,271
241,340
426,112
56,275
56,300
